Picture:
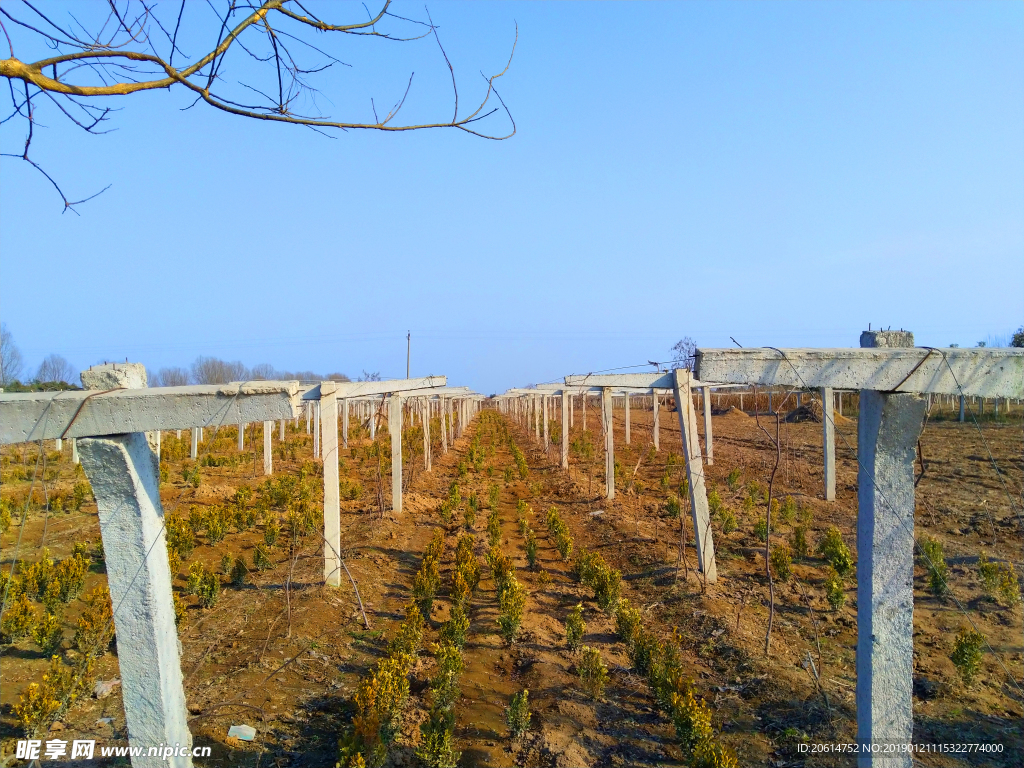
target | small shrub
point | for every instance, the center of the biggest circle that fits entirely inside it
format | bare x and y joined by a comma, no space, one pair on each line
424,585
934,561
410,633
511,602
271,531
261,558
714,502
209,589
592,672
834,592
531,549
575,628
225,563
728,520
835,551
444,685
48,634
494,529
517,714
239,572
455,630
966,655
672,507
692,719
95,624
799,541
18,619
788,510
781,559
44,703
733,479
999,581
761,529
627,623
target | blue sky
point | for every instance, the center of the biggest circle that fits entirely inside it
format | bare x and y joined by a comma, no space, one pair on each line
783,173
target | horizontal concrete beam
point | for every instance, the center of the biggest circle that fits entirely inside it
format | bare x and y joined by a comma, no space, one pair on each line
350,389
50,415
631,380
980,372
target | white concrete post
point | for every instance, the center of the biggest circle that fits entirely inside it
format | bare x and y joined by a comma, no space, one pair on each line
444,424
534,399
888,428
158,443
425,418
627,418
241,437
695,475
373,419
280,431
125,479
566,420
584,396
316,429
309,412
828,428
177,433
344,423
962,408
656,416
58,445
607,425
709,443
572,420
839,403
268,453
74,450
332,497
194,447
547,429
395,427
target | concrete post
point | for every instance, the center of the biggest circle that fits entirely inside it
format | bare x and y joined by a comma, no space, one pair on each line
695,475
241,437
344,423
963,408
607,426
74,450
534,400
125,479
627,418
444,424
316,429
58,445
828,428
584,397
709,443
280,430
395,427
571,414
268,452
566,421
308,409
158,443
373,419
332,497
194,447
888,428
547,429
839,403
656,411
425,418
201,435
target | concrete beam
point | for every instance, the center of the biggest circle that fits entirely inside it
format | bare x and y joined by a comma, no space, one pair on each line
354,389
638,380
32,416
980,372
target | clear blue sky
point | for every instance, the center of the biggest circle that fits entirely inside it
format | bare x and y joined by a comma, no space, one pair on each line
784,173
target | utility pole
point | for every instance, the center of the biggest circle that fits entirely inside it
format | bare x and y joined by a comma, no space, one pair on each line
408,351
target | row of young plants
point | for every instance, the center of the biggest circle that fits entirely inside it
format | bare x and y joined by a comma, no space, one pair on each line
659,662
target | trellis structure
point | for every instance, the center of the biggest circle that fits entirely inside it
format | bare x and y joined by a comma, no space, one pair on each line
892,377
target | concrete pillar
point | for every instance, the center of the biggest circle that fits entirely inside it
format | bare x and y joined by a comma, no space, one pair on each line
535,402
177,433
566,423
280,430
268,452
74,450
125,479
309,411
627,418
58,445
709,443
395,427
695,475
194,448
425,418
201,434
609,442
316,429
584,397
839,403
344,423
444,424
158,444
828,429
888,428
572,415
656,416
241,437
332,497
547,428
374,413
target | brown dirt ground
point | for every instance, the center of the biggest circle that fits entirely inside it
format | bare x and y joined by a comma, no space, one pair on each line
247,660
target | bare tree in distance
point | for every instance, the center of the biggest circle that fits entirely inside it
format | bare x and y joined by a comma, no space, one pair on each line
55,368
212,370
138,47
375,376
170,377
10,358
263,372
683,352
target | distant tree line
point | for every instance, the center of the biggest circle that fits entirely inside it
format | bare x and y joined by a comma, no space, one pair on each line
55,372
